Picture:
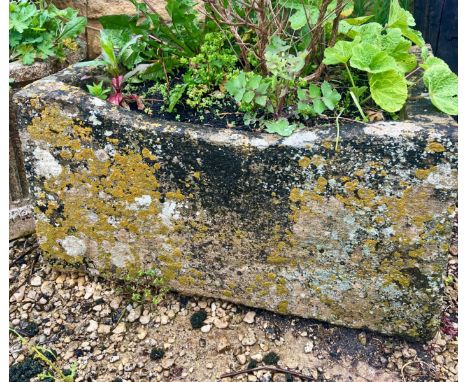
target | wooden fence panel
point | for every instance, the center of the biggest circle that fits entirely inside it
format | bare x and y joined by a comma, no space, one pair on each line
438,22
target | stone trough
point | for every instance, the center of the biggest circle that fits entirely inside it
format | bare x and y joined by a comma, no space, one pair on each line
357,237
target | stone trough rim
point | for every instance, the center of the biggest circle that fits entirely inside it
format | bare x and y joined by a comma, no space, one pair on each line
420,114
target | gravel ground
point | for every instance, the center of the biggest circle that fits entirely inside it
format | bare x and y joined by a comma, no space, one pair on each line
95,323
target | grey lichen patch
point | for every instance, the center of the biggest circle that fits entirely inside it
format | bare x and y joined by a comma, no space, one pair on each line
394,129
73,246
46,165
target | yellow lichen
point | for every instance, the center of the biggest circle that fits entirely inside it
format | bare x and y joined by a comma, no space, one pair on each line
305,162
283,307
435,147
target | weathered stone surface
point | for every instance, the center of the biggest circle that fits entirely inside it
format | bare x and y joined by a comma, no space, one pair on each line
21,221
98,8
357,237
24,74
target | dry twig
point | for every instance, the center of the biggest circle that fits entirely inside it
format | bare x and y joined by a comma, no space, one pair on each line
267,368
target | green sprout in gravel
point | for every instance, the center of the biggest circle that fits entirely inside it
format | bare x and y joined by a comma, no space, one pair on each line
48,357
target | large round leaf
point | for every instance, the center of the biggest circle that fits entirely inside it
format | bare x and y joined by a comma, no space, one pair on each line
340,53
371,59
442,84
389,90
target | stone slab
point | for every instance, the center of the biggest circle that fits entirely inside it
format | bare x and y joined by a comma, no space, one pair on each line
357,237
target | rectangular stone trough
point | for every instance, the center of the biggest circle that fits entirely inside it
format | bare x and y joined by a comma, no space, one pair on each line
357,237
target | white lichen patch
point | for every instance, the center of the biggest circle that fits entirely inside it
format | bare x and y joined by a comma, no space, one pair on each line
46,165
264,142
442,178
121,254
73,246
92,217
110,149
301,139
169,213
98,102
101,155
141,203
393,129
228,137
94,120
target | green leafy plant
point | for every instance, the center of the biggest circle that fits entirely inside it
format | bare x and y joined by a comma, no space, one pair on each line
38,32
280,63
98,90
157,44
206,71
315,100
47,357
276,92
383,53
377,8
146,286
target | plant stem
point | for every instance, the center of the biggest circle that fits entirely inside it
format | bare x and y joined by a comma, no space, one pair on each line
350,75
338,130
353,96
358,105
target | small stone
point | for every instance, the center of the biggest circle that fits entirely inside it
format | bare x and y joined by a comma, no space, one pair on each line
202,304
36,281
115,303
60,279
309,346
144,320
314,373
171,314
141,333
164,320
250,317
223,344
209,365
134,314
92,326
47,288
89,291
104,329
220,324
362,338
249,339
242,359
167,363
257,357
205,328
120,328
